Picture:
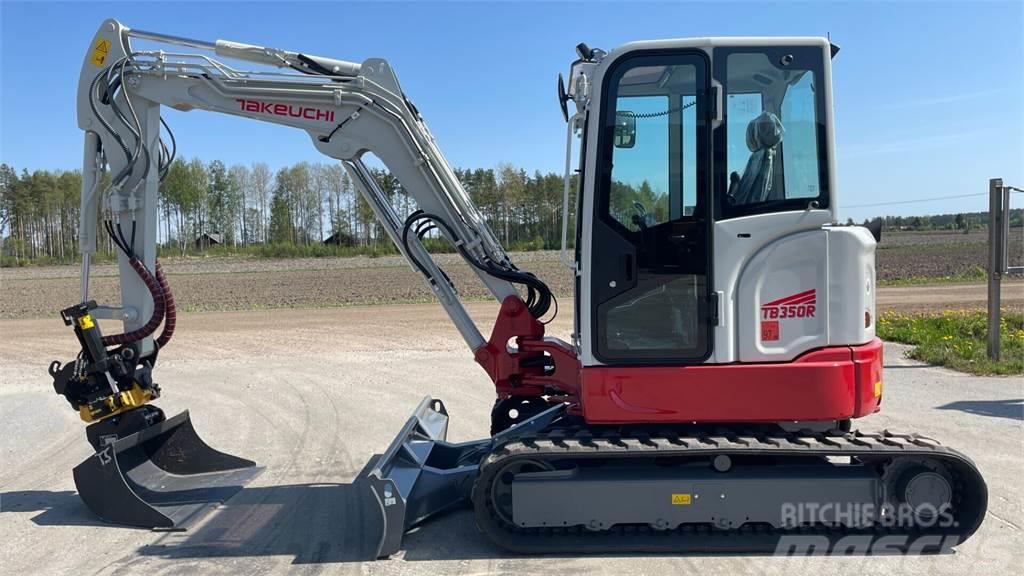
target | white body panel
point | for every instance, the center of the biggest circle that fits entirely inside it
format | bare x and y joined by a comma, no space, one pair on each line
795,267
851,276
736,244
806,291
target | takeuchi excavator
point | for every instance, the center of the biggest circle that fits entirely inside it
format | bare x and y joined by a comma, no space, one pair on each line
724,327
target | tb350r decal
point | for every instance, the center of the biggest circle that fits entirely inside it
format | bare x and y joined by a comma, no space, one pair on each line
799,305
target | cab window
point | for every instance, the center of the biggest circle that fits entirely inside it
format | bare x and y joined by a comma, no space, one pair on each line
775,155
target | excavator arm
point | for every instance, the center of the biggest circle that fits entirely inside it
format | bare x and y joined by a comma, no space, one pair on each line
348,110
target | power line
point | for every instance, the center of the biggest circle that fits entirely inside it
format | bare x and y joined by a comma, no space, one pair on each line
919,200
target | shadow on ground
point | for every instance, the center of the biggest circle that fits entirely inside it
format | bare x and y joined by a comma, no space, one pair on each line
311,523
1012,409
62,508
314,524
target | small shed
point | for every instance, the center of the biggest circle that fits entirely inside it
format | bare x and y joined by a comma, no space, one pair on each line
340,239
207,239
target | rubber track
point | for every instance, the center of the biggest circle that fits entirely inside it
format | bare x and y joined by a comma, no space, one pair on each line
970,491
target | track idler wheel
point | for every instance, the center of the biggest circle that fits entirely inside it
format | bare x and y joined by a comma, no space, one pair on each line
923,488
501,489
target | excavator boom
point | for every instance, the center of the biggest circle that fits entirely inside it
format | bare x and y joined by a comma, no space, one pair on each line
348,110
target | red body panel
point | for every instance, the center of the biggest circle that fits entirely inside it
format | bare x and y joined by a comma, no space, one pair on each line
515,371
832,383
867,360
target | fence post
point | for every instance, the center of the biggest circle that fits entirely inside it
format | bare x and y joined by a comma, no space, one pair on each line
995,262
1004,267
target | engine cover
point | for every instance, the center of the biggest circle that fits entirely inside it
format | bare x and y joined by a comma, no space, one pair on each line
807,290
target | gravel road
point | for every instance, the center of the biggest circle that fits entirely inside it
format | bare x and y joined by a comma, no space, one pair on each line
937,297
313,394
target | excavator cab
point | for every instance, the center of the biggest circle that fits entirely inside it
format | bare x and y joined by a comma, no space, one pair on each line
682,136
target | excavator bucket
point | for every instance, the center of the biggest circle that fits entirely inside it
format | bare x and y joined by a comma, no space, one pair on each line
161,477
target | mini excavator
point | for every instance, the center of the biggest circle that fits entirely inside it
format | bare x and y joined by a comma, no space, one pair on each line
724,335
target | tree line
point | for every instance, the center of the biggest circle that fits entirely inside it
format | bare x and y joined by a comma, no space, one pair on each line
312,209
304,205
963,221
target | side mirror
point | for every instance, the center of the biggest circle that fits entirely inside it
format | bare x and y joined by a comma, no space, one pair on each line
875,227
563,98
625,129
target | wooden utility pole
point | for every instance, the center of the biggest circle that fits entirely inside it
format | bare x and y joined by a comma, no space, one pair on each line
996,242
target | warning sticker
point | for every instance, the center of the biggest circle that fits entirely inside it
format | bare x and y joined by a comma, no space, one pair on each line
85,322
99,53
769,330
680,499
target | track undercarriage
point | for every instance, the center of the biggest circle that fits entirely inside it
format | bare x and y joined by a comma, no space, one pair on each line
553,485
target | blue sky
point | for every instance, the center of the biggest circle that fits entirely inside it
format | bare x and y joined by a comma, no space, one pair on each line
929,96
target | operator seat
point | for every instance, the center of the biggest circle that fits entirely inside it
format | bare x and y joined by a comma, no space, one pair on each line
764,134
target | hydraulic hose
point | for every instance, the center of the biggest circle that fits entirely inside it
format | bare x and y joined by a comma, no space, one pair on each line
158,308
171,310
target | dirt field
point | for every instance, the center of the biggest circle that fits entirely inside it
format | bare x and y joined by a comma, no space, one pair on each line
892,238
237,284
942,253
313,394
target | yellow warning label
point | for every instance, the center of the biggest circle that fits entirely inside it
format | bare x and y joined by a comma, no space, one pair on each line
99,53
85,322
680,499
878,389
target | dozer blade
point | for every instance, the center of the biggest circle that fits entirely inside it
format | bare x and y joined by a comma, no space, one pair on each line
420,474
162,477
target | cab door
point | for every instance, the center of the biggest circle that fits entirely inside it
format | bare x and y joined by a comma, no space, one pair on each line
651,236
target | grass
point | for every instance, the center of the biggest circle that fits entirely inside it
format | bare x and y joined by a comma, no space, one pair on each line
972,276
957,339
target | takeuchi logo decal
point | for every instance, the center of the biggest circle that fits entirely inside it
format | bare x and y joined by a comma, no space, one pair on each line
279,109
800,305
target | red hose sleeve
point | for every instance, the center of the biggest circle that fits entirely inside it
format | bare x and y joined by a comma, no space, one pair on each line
171,311
158,308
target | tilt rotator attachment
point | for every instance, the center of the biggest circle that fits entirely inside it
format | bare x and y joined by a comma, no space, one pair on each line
422,474
148,470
